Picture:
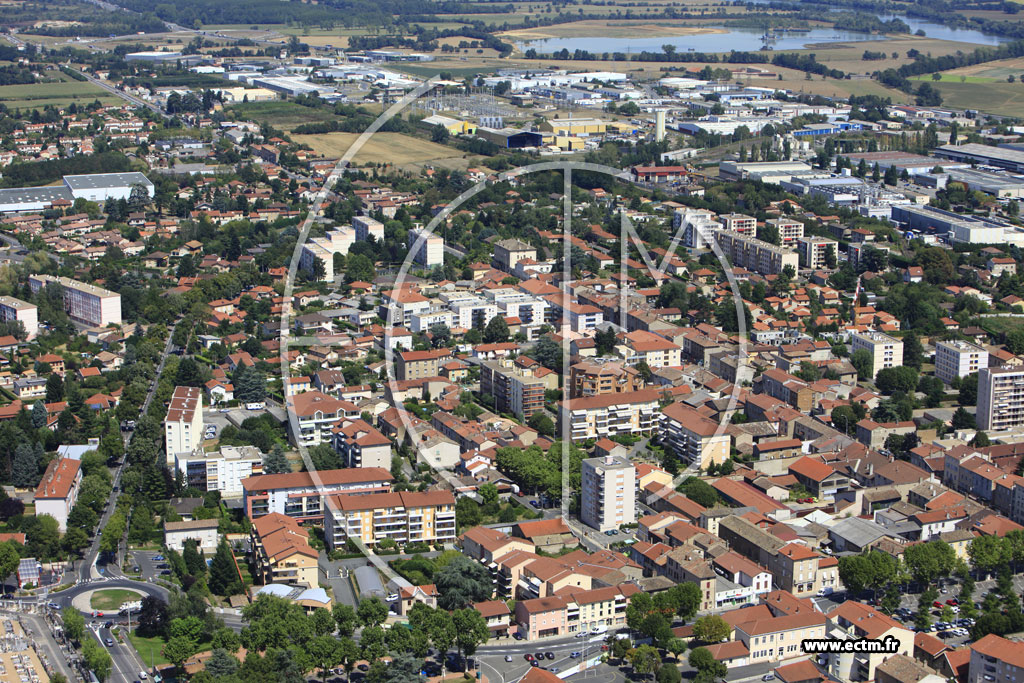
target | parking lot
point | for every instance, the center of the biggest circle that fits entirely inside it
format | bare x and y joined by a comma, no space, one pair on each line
151,564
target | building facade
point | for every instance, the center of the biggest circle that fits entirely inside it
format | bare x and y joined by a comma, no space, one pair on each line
886,351
611,414
16,309
516,389
607,492
84,303
406,517
956,358
299,495
429,251
183,424
1000,398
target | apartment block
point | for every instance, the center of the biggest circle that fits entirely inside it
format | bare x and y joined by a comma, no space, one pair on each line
317,415
886,351
789,231
610,414
367,227
995,659
469,310
955,358
794,566
778,638
361,444
573,611
739,223
607,492
1000,398
183,425
323,249
429,251
755,255
646,347
401,305
221,471
406,517
598,376
814,251
16,309
517,387
507,253
84,303
57,491
698,226
858,622
693,437
420,364
281,552
299,495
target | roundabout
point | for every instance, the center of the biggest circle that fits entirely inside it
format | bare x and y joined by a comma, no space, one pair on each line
80,596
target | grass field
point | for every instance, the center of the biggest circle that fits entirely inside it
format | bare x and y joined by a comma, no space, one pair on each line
954,78
282,114
151,650
111,599
607,29
394,148
1001,325
57,94
999,98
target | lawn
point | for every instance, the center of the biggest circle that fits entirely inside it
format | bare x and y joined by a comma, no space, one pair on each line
111,599
393,148
282,114
151,650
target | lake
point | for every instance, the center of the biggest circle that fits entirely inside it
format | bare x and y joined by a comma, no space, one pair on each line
749,39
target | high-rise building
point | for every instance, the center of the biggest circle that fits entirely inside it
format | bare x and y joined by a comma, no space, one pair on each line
814,251
16,309
886,351
754,254
323,249
789,231
430,251
183,425
955,358
366,226
406,517
740,223
608,415
1000,398
607,492
694,438
517,387
84,303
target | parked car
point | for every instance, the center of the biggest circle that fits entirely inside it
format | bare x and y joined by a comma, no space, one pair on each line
937,605
393,597
768,677
508,658
582,634
549,655
952,601
528,657
534,662
142,675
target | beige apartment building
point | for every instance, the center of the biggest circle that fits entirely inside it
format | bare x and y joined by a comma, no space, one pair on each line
778,638
956,358
739,223
789,230
754,255
420,364
430,251
598,376
693,437
507,253
516,387
857,621
608,492
610,414
814,250
406,517
183,425
84,303
647,347
886,351
995,659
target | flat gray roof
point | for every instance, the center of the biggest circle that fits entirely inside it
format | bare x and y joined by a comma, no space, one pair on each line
26,195
95,181
983,151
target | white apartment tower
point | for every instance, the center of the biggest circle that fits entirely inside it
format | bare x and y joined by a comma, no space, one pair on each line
84,303
430,251
16,309
608,492
183,426
886,352
1000,398
957,358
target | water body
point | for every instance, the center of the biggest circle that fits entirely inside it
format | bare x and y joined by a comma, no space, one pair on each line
750,39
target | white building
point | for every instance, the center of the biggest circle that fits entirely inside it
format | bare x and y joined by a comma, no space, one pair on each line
58,490
203,531
222,471
814,251
366,227
84,303
886,352
99,187
183,426
957,358
472,312
16,309
1000,398
421,322
323,249
427,252
607,492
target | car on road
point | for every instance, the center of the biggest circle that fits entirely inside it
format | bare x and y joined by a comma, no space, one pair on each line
582,634
768,677
534,662
109,642
52,605
517,635
575,655
554,669
158,558
109,624
535,504
508,658
142,675
539,655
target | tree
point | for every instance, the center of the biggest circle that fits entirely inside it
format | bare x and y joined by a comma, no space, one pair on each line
194,562
75,541
188,374
74,623
980,440
9,559
138,197
669,674
221,664
25,468
152,618
346,619
39,415
711,629
913,352
863,363
645,660
275,462
373,642
470,630
97,659
54,388
250,385
359,268
962,419
178,649
988,553
372,612
461,583
441,628
699,491
928,561
703,661
322,621
325,653
900,378
543,424
496,330
224,579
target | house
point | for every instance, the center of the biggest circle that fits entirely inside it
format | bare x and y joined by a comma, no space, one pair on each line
203,531
410,595
497,615
549,535
57,491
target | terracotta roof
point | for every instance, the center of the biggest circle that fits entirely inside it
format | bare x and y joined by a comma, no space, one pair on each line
296,480
1007,651
184,403
58,479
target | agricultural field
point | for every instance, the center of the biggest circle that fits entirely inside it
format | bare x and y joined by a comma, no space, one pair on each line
38,95
607,29
986,72
998,97
392,148
281,114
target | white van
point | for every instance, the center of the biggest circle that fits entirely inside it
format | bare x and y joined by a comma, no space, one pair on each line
255,406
